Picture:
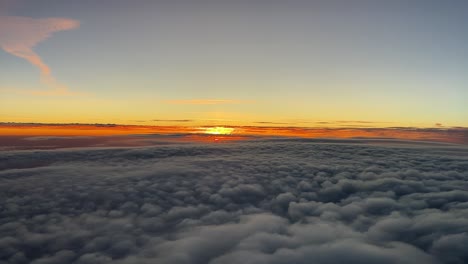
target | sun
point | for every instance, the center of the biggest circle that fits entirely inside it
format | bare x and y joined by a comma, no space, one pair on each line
219,130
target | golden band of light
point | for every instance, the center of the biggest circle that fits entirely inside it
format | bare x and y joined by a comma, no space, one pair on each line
218,130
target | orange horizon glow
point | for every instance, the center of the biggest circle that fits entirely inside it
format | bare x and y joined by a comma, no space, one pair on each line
235,133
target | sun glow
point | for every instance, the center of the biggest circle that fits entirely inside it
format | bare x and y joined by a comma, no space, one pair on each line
219,130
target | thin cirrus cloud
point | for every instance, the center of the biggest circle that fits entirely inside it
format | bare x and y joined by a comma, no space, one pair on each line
173,120
205,102
19,35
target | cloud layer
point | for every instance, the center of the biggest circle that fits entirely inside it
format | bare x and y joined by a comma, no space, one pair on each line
19,35
277,201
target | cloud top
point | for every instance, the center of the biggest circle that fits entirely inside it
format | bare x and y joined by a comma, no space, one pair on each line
250,202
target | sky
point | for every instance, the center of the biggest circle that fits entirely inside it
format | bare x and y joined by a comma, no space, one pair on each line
263,63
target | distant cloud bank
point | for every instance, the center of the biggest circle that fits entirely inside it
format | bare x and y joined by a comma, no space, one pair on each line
16,134
275,201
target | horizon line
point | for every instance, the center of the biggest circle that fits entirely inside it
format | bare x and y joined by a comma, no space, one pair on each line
457,135
265,125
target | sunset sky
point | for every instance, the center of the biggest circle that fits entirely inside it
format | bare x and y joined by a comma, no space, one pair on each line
234,131
259,63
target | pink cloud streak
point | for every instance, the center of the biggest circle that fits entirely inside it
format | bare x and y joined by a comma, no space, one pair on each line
19,35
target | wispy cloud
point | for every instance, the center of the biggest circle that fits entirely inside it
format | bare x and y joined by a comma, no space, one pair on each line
274,123
172,120
206,101
19,35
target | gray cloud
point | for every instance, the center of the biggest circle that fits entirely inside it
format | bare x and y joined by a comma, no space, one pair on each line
272,201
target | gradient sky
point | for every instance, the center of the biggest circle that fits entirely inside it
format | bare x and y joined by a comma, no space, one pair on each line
395,63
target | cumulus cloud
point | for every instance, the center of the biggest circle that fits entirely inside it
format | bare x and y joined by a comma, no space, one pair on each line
19,35
276,201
